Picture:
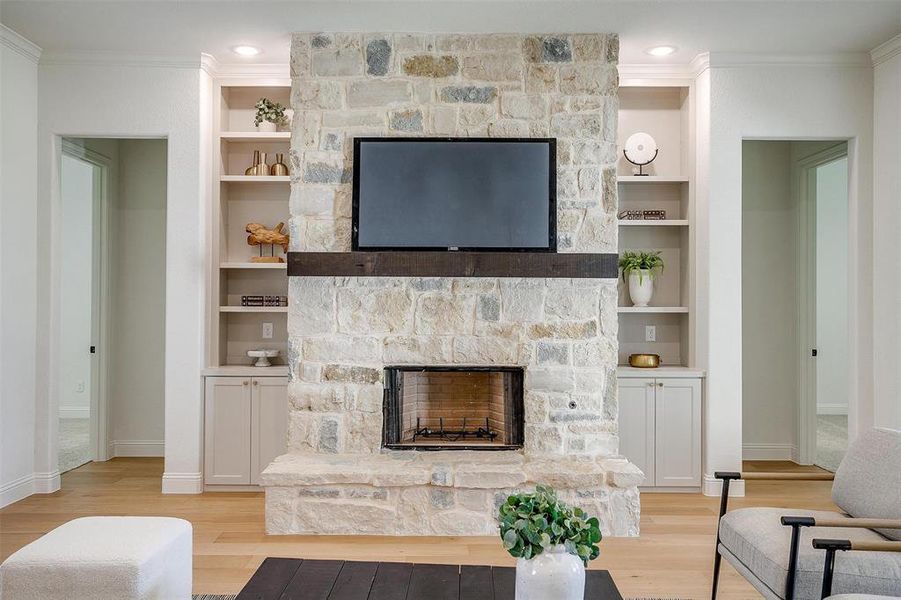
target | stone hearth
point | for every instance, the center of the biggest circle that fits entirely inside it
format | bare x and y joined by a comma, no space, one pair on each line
344,331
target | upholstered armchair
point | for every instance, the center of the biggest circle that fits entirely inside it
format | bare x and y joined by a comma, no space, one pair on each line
855,550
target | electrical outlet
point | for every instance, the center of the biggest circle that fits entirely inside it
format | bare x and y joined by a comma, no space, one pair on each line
650,333
267,331
79,387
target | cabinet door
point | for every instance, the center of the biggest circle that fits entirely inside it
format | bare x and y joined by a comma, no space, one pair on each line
678,452
636,424
269,422
226,456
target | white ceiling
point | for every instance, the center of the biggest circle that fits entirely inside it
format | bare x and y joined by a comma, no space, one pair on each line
186,28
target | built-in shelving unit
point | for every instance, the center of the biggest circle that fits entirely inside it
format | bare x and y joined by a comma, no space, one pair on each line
664,110
239,199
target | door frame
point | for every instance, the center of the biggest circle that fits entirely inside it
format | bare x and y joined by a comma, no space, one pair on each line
101,275
805,180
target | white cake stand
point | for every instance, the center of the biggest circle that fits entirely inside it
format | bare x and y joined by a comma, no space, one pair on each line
262,357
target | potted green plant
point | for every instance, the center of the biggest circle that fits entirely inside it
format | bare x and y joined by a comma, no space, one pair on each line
552,543
269,115
640,269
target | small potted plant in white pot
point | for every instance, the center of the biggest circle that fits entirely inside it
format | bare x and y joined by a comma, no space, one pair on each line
552,542
640,269
269,115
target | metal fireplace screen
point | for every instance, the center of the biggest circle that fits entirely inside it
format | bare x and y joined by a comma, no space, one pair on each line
453,408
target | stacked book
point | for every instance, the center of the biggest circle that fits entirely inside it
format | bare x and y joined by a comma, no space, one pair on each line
264,301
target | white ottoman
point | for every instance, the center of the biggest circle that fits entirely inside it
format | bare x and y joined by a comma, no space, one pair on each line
94,558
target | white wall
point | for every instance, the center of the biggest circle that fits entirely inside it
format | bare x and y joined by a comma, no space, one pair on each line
832,282
769,293
782,100
129,100
138,319
18,266
886,411
76,286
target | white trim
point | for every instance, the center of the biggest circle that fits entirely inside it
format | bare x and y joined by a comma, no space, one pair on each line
714,487
277,74
886,50
140,448
19,44
832,409
754,59
75,412
46,483
182,483
118,59
769,452
17,489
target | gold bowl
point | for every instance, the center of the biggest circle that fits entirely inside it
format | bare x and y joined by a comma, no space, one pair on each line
644,361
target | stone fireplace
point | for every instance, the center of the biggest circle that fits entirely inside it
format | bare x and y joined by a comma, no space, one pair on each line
496,383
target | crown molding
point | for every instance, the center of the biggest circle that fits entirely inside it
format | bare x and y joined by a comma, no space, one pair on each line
673,73
15,42
115,59
886,50
740,59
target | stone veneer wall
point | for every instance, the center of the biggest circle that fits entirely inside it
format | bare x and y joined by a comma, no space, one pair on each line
343,331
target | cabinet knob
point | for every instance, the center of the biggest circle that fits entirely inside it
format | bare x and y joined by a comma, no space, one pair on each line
660,384
245,382
255,382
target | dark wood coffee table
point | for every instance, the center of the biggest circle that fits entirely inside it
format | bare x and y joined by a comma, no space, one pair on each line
299,579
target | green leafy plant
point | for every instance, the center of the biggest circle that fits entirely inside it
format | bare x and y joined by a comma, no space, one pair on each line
641,262
532,523
270,111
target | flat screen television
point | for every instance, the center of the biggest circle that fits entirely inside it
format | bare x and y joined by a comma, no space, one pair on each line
475,194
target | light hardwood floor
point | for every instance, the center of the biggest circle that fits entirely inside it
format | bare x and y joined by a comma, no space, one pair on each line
671,559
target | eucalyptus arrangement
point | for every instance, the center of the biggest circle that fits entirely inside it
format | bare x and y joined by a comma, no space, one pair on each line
641,263
640,269
269,112
533,523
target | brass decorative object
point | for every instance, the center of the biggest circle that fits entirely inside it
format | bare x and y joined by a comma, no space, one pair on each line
279,168
252,169
644,361
262,168
261,236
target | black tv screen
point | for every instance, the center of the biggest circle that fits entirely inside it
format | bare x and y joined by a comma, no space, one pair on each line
454,194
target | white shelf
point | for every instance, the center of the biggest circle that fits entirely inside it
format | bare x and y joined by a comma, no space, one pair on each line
255,136
651,179
651,309
653,223
253,309
662,371
256,178
250,265
245,371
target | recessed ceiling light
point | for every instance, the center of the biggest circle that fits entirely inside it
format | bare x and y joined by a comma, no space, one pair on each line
246,50
661,50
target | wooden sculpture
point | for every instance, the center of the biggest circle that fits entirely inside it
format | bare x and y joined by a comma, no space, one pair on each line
260,236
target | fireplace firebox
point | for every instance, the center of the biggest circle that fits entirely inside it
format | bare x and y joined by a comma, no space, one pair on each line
453,408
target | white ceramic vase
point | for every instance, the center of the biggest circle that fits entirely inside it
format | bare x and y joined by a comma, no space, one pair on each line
267,127
555,574
641,287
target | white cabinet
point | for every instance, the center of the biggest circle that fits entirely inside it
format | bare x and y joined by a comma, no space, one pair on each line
660,429
245,427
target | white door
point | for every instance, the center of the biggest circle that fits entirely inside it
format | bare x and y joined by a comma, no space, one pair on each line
227,431
269,422
678,448
636,424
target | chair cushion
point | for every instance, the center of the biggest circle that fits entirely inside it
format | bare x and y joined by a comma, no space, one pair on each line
868,480
860,597
761,543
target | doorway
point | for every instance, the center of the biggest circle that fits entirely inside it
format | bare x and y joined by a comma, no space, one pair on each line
795,315
112,240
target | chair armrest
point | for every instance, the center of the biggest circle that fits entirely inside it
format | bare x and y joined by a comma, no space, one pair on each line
858,522
833,546
788,476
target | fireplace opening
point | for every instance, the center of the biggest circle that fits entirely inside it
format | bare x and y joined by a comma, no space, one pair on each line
453,408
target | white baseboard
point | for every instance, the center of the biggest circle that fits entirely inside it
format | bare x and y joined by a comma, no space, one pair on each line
182,483
714,487
832,409
136,448
21,488
75,412
769,452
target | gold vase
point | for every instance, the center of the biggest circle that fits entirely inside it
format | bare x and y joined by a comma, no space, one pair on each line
252,169
262,168
279,168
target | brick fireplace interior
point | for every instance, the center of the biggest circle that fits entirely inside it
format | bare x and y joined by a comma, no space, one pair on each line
453,408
